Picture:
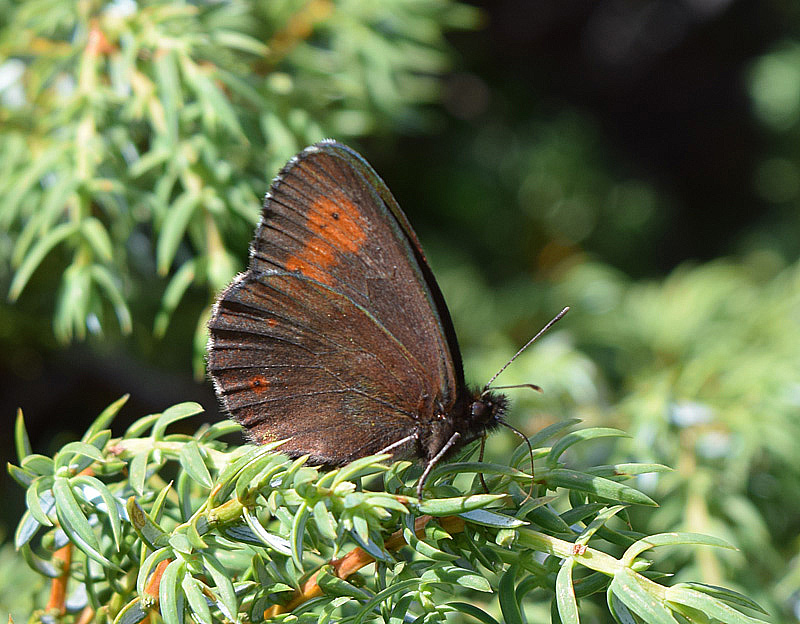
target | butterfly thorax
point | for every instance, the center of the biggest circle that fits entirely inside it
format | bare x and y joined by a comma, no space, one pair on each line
473,415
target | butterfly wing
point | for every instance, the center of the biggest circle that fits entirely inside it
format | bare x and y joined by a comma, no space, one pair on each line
337,335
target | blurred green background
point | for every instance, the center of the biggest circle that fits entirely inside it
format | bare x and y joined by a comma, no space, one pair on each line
638,161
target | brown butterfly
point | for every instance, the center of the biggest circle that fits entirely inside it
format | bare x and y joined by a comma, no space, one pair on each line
337,337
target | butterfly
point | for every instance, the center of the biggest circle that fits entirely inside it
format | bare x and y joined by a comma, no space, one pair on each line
337,338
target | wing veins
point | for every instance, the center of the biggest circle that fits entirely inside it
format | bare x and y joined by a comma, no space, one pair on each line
261,256
337,347
262,366
345,390
311,234
413,362
326,178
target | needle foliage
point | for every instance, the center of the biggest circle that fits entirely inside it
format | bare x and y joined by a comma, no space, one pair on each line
166,525
136,138
136,142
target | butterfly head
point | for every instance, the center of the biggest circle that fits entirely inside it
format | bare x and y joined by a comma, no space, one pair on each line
487,409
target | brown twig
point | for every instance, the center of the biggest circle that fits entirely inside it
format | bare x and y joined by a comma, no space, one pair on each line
63,557
152,585
86,616
356,559
58,589
151,589
298,28
97,43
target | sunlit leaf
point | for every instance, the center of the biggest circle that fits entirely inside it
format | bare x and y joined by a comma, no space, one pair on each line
565,593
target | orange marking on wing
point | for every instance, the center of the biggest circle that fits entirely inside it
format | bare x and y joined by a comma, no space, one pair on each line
334,221
259,384
298,263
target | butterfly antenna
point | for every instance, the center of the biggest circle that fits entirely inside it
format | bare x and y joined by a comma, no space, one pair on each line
530,386
553,321
530,452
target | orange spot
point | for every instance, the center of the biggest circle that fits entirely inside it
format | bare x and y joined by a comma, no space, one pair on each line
335,223
297,263
336,220
259,384
272,322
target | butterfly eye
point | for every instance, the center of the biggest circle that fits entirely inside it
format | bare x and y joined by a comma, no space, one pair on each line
480,409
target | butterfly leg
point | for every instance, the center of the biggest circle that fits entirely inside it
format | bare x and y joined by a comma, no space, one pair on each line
435,460
480,459
394,445
530,452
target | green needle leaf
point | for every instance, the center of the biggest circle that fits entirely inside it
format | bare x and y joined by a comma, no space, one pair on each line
629,588
170,593
565,593
507,595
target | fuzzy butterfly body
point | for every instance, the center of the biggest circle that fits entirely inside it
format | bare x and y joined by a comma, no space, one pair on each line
337,337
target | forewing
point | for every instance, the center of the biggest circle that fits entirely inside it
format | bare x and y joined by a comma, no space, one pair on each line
330,218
